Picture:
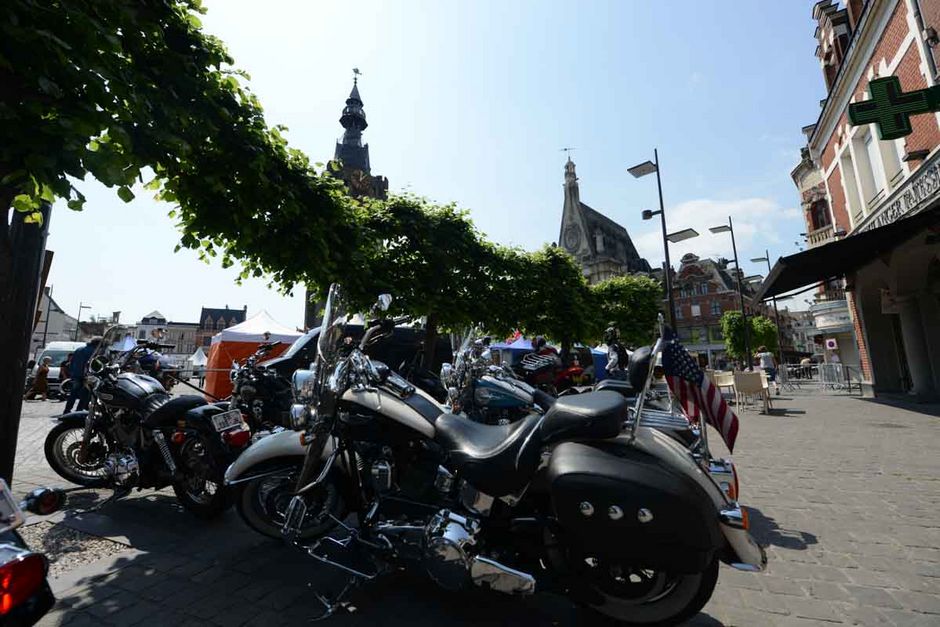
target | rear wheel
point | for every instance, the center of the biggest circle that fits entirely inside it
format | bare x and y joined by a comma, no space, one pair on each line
262,503
636,596
63,448
200,488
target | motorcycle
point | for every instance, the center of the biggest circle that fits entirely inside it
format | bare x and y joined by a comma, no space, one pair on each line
627,524
134,435
261,394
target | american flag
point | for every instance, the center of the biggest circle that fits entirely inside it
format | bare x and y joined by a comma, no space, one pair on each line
695,392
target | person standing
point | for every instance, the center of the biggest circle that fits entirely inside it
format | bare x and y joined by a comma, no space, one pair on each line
769,365
40,385
77,365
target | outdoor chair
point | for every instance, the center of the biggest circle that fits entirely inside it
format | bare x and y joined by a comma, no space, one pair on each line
724,381
765,382
748,385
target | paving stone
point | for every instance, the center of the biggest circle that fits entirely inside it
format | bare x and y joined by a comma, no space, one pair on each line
764,602
904,618
872,596
813,609
863,615
826,591
919,602
779,585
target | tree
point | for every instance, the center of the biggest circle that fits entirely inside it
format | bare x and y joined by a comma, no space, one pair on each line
763,332
553,297
632,303
113,89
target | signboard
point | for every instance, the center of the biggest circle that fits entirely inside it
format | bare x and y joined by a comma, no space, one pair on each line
831,344
890,109
915,195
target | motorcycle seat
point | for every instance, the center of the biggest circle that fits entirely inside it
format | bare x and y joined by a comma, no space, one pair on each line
495,459
588,416
616,385
168,413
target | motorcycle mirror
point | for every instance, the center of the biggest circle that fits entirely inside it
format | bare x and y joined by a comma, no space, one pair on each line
45,501
97,366
383,302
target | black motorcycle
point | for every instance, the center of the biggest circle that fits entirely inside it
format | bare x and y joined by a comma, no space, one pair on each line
262,395
626,523
135,435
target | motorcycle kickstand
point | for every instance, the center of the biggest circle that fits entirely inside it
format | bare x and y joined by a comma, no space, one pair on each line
116,495
331,606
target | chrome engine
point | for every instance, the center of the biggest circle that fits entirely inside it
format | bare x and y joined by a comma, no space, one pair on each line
122,467
452,561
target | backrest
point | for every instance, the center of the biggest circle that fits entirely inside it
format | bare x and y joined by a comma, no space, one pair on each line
724,379
748,382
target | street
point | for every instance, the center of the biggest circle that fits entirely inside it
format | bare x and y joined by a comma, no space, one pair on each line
843,491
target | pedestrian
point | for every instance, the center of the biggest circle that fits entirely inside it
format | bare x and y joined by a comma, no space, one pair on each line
77,365
40,385
769,365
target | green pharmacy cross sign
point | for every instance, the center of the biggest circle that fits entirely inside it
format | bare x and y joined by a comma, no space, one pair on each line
891,109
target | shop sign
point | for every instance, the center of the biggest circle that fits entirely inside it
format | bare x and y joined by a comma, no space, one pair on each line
919,190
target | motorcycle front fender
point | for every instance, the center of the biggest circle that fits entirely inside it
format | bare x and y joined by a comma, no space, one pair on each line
76,418
285,445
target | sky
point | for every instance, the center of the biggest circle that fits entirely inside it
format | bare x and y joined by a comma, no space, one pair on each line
472,102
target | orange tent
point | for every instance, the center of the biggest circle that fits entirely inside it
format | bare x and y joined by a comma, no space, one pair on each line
240,341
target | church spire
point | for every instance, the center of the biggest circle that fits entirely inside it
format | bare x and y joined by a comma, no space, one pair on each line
350,150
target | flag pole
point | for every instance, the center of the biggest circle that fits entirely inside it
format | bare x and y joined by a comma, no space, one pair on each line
641,398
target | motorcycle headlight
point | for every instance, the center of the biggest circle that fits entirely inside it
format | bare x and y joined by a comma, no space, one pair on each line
298,416
304,384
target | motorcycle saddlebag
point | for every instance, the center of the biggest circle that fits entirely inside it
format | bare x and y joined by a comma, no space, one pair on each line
627,505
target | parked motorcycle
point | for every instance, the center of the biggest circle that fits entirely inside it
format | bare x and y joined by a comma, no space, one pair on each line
25,595
627,524
134,435
261,394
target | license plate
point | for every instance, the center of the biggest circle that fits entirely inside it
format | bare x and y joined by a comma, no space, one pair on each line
11,516
227,420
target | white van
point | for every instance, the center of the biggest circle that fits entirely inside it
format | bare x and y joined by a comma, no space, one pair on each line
58,351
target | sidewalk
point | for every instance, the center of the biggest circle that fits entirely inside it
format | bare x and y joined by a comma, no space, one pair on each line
843,490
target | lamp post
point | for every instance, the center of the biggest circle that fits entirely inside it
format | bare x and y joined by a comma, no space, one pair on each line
640,170
77,320
766,258
729,228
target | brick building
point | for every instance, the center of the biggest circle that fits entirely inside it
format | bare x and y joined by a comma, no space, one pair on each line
873,217
213,320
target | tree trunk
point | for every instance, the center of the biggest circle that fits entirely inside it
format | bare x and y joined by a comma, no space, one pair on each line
21,255
430,342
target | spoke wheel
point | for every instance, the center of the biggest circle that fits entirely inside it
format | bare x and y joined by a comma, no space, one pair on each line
199,488
63,450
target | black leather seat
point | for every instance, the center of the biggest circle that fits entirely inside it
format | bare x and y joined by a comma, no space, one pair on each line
495,459
588,416
623,388
171,411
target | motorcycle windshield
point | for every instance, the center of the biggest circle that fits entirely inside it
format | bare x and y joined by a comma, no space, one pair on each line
331,329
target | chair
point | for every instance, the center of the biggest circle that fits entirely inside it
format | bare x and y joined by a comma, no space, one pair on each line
765,382
723,381
749,385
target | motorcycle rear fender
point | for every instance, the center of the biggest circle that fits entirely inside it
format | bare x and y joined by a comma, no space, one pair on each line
741,550
281,445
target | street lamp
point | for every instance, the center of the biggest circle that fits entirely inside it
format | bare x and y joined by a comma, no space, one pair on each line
640,170
729,228
78,319
766,258
681,236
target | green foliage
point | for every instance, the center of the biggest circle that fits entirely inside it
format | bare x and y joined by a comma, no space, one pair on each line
553,297
632,303
110,88
763,332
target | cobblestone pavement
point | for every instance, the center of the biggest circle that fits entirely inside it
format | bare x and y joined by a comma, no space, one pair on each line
845,492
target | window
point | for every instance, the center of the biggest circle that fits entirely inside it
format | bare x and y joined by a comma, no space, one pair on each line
679,315
704,288
716,308
819,215
141,334
696,311
694,335
850,184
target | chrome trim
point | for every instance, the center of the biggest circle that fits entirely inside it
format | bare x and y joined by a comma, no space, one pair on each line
733,516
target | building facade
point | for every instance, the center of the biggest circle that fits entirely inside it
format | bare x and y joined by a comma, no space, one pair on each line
182,335
52,324
212,320
879,228
351,165
602,247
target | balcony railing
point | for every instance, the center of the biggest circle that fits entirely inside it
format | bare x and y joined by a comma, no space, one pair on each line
831,294
819,236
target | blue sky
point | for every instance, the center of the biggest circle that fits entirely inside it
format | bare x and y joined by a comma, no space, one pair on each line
472,102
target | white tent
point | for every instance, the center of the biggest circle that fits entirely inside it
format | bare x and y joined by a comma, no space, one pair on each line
254,328
198,358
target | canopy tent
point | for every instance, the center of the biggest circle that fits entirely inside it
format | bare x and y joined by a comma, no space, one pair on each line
198,358
520,344
842,257
240,341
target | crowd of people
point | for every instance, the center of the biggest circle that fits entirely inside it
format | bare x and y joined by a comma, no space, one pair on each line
71,369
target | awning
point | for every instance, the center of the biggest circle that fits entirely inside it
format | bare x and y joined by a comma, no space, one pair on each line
836,259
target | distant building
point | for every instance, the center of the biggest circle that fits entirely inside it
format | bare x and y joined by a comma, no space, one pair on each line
211,321
602,247
53,324
798,333
182,335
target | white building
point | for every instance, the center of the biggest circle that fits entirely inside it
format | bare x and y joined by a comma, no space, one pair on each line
54,325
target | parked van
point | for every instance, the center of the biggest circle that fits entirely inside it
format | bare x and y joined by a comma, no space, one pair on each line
58,351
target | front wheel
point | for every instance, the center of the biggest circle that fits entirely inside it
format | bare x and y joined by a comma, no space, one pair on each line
63,452
262,503
638,596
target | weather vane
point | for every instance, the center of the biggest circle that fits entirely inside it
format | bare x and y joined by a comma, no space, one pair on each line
356,75
891,109
567,152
